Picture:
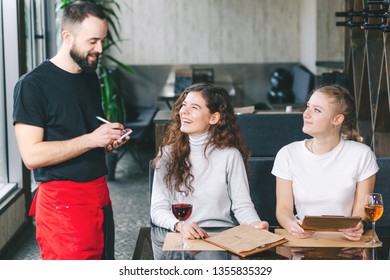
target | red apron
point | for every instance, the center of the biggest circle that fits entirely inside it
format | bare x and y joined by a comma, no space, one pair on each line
69,219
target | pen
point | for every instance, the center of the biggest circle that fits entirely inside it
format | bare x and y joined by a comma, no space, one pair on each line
102,120
106,121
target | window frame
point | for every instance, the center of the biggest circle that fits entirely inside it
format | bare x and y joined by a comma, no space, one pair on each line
3,150
13,180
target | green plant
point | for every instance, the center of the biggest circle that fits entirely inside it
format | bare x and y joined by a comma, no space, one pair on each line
112,101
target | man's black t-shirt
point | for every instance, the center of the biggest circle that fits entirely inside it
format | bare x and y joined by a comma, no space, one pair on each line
65,105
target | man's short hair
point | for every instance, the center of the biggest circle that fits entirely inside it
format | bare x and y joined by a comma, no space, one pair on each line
78,11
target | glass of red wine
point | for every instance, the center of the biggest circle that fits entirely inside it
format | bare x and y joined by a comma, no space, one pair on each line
373,208
182,209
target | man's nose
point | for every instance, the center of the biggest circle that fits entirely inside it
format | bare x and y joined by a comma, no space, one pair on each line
99,47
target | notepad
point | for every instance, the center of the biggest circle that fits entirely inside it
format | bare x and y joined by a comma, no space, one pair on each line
244,240
329,223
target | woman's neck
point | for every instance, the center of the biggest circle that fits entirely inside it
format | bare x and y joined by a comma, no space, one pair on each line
322,146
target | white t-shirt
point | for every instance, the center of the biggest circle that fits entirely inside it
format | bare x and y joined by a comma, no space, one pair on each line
325,184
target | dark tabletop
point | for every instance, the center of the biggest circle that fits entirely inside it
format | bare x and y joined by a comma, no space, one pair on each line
151,239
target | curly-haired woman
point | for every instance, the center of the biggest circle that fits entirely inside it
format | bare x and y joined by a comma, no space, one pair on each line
203,152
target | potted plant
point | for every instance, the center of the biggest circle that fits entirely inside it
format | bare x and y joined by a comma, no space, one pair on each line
112,102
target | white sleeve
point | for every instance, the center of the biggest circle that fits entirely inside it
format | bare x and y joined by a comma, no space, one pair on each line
368,166
281,167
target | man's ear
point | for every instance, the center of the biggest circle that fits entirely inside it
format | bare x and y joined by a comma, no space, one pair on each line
67,36
215,118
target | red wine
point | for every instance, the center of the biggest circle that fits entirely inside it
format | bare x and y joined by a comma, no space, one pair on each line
182,211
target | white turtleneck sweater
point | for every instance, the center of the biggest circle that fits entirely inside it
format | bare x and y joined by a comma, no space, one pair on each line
220,186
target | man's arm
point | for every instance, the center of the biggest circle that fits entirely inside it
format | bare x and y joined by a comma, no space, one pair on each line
37,153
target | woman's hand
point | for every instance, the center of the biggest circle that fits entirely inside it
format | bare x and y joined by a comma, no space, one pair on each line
294,227
353,234
191,231
260,225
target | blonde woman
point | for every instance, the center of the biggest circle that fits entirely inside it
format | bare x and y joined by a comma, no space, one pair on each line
329,174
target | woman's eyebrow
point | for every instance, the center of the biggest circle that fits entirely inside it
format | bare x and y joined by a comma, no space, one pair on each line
315,106
195,104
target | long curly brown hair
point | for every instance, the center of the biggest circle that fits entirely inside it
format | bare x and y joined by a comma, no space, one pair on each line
225,133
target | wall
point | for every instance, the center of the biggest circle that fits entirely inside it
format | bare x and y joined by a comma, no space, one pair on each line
12,220
247,83
330,38
248,38
229,31
307,34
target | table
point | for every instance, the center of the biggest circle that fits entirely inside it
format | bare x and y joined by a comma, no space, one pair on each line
151,239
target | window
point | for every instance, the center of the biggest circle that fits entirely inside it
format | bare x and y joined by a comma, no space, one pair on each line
3,159
36,37
35,32
10,162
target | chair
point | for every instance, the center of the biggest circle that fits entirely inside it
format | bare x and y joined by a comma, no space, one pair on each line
143,247
382,185
262,186
265,134
143,132
151,175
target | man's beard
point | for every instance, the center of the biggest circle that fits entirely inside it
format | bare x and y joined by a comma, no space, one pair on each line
85,66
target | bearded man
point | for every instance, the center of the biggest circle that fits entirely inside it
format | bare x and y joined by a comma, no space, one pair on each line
60,139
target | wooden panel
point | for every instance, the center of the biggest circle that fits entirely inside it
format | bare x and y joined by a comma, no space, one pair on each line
367,54
382,144
159,130
382,116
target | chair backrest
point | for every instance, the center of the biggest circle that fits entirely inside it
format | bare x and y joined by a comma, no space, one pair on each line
382,185
266,133
151,175
262,186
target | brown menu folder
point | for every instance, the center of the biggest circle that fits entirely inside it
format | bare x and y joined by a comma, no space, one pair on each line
329,223
244,240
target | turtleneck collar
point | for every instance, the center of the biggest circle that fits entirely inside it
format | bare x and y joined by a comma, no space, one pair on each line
198,142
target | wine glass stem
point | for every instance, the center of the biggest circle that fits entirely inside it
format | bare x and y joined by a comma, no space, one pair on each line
373,231
182,238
